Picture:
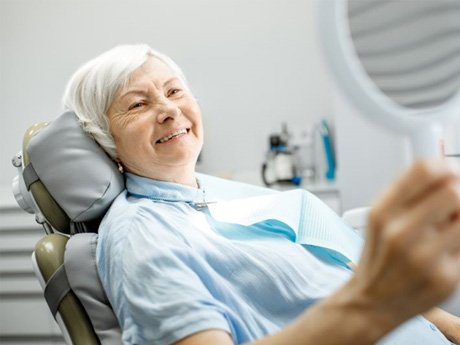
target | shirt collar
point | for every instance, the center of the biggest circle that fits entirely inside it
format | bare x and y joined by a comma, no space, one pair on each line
161,190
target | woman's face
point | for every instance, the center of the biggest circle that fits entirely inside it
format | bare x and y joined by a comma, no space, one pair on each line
156,123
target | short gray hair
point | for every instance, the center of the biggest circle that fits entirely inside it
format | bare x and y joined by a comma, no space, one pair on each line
92,88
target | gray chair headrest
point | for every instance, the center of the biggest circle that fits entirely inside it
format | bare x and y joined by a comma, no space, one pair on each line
75,170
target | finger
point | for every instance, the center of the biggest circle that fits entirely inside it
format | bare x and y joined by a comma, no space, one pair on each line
448,271
438,209
452,236
394,203
440,206
426,221
422,176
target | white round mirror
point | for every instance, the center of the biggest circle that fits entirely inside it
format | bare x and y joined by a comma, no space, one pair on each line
398,62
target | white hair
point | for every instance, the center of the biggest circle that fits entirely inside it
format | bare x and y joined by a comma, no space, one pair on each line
92,88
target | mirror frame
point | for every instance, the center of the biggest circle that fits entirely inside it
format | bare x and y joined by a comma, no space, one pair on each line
422,125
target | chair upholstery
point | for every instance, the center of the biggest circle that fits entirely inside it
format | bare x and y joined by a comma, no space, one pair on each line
70,182
70,177
80,265
75,324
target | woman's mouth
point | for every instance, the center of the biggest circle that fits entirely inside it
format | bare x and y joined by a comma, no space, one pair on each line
173,135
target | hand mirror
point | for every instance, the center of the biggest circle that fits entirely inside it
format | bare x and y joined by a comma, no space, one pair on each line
398,62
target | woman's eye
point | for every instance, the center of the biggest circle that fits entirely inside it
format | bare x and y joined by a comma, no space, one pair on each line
136,105
173,92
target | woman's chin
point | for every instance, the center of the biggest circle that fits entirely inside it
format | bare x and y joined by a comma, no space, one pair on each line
180,160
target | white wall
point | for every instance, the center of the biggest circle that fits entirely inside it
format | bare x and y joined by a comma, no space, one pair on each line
369,155
252,65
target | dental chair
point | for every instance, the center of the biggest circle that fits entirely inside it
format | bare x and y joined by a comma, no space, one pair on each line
69,182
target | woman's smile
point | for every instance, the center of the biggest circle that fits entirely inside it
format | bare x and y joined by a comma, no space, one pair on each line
174,136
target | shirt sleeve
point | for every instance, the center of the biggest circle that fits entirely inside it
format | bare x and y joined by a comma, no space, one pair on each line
161,296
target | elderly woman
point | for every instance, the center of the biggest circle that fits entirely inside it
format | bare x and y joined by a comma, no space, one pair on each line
174,274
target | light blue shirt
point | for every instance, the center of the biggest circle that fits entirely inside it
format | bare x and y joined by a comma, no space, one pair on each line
170,270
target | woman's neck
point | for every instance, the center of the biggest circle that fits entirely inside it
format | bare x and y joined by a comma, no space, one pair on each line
182,175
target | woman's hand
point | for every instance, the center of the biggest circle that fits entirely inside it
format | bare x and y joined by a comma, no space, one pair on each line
447,323
411,260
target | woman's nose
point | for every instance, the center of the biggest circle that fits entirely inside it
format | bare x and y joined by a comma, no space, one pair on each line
166,111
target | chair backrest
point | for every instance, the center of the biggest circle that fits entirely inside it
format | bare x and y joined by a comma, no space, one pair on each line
48,264
68,182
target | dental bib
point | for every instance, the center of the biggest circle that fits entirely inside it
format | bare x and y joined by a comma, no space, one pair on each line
309,221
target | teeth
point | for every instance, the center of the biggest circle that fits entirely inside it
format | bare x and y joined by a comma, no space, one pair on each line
175,134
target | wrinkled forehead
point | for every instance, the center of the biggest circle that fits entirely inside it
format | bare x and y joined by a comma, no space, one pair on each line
152,70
